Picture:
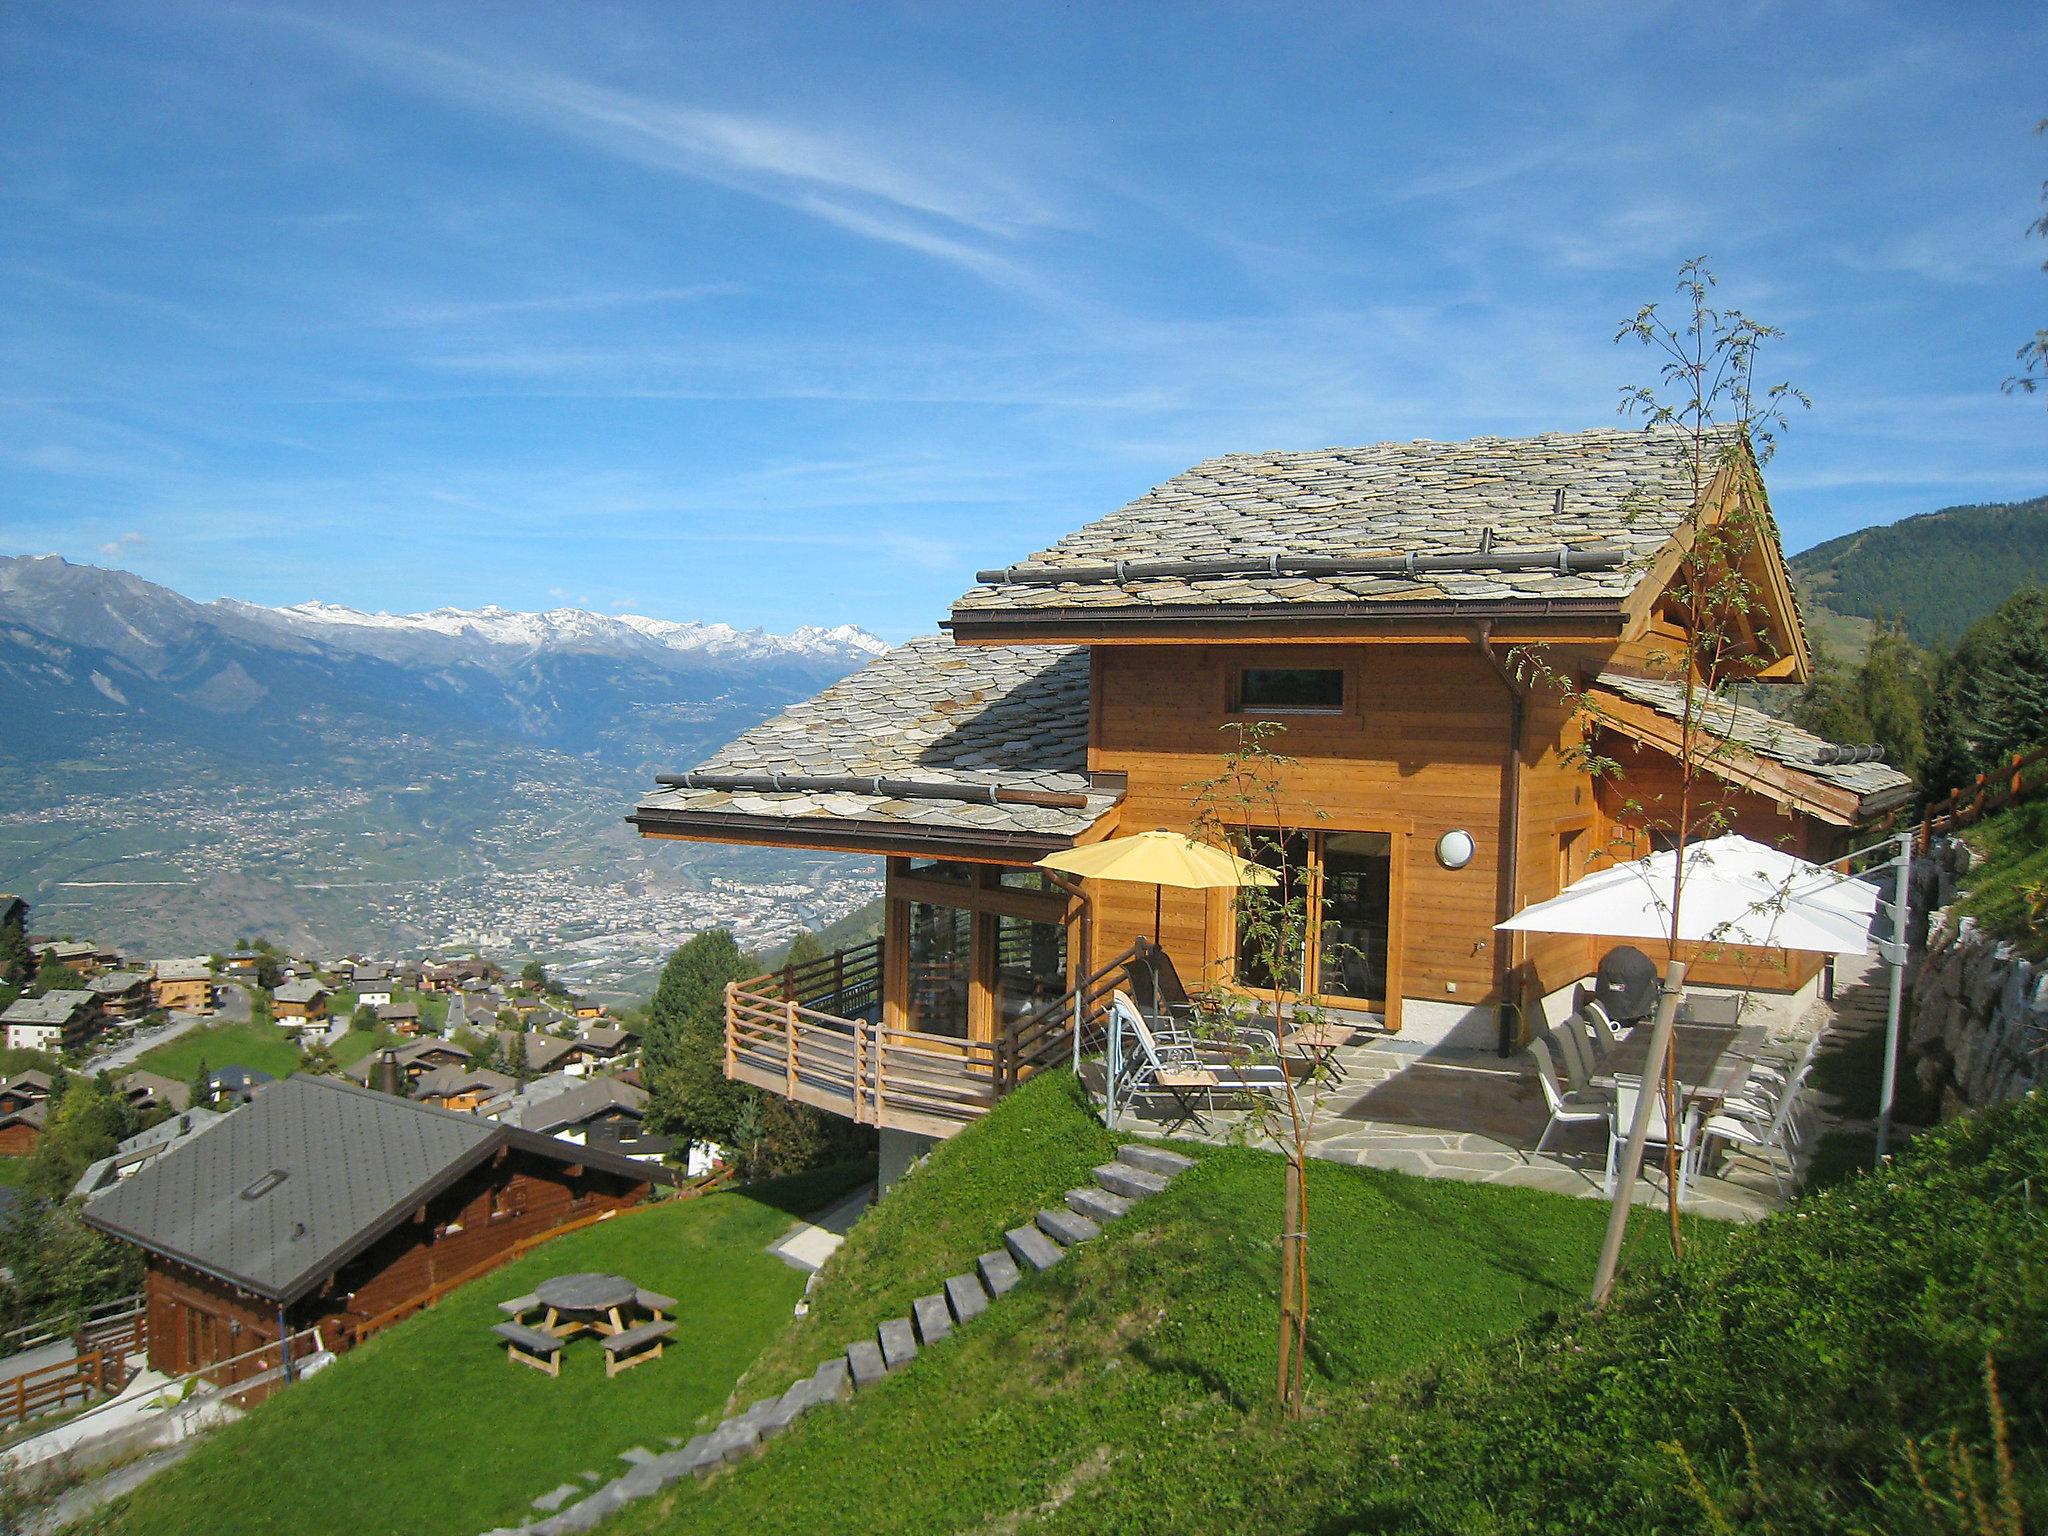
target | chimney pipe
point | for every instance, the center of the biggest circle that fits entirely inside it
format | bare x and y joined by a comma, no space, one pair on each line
387,1071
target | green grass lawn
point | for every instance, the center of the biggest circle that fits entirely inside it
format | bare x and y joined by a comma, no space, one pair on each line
427,1428
1138,1367
358,1043
2015,848
11,1170
265,1047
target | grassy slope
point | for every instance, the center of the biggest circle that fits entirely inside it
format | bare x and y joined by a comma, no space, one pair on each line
1142,1364
427,1428
1123,1391
256,1044
12,1170
2015,846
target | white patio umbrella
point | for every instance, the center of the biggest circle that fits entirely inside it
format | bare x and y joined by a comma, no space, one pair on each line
1735,891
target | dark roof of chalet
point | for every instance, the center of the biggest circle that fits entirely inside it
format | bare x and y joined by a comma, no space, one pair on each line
1624,491
960,721
52,1008
283,1192
609,1037
412,1051
30,1114
304,991
542,1051
172,1092
584,1101
29,1080
1877,784
446,1080
116,982
232,1078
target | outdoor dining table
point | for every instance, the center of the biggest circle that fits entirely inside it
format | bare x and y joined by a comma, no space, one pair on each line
592,1301
1712,1060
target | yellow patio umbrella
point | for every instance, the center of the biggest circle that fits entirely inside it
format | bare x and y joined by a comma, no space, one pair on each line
1160,859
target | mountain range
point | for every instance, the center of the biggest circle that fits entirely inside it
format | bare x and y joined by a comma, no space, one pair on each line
174,774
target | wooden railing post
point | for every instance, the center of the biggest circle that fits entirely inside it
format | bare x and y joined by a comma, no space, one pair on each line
881,1068
2018,763
789,1031
731,1028
860,1073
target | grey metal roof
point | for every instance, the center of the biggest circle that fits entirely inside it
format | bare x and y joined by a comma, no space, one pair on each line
964,717
446,1080
300,991
348,1157
1621,486
1876,783
184,970
54,1008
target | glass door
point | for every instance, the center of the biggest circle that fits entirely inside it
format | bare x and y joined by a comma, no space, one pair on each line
941,965
1354,891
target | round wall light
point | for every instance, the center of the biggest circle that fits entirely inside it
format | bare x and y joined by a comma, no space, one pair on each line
1454,850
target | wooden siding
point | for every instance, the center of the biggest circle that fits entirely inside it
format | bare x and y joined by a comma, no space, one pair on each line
19,1139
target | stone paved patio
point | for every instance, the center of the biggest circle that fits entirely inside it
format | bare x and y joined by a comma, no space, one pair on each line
1467,1114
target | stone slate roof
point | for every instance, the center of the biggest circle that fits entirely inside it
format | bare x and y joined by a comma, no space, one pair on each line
974,717
354,1164
1622,486
1877,783
184,970
300,991
409,1053
443,1081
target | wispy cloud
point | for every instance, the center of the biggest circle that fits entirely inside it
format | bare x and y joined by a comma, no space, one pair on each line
464,312
949,213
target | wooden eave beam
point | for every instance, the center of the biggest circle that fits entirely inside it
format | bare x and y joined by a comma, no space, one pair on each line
1739,765
862,838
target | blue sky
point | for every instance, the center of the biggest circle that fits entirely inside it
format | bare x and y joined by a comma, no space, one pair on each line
778,315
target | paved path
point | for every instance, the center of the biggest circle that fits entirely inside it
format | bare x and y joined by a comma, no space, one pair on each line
816,1240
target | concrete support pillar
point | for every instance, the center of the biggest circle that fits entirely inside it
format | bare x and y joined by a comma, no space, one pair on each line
897,1151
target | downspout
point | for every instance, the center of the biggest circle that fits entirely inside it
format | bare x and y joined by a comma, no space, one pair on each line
1511,831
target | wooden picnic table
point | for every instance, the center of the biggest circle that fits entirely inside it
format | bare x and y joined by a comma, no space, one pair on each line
1712,1060
585,1301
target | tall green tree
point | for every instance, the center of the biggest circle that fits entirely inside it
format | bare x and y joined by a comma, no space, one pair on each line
803,949
14,955
84,1125
683,1052
53,977
1991,695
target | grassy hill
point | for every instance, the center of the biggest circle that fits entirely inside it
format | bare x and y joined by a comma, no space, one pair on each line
1938,573
1459,1386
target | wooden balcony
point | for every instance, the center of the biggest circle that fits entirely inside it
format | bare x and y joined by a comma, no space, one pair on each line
814,1033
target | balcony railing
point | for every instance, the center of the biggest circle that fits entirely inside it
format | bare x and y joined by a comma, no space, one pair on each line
813,1033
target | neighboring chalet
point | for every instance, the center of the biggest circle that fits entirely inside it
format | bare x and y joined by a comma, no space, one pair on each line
23,1089
1374,602
121,995
413,1060
462,1090
400,1018
24,1104
544,1053
237,1084
152,1090
186,985
56,1021
73,954
142,1148
603,1112
602,1044
323,1205
300,1004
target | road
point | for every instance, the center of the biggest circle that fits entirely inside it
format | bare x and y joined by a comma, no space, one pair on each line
233,1009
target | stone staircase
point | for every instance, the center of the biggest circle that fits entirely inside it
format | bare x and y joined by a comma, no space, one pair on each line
1137,1173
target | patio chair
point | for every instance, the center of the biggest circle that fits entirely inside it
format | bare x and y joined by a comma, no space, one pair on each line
1171,1063
1626,1090
1771,1139
1573,1108
531,1346
1605,1030
1578,1056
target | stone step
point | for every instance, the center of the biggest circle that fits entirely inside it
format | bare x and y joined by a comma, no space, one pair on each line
999,1272
964,1294
1131,1183
1030,1246
789,1407
1154,1160
1098,1205
758,1410
933,1317
899,1342
864,1361
1066,1228
736,1439
833,1380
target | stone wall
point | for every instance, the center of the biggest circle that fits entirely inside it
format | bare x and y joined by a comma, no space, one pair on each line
1980,1008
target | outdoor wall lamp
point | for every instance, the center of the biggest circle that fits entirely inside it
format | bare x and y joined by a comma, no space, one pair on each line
1454,849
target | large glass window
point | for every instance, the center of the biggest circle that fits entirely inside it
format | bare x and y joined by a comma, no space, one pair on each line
1031,966
941,963
1346,881
1263,924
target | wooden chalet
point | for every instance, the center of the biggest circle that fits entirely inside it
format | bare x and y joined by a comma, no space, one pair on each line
186,985
324,1205
57,1021
1375,602
300,1003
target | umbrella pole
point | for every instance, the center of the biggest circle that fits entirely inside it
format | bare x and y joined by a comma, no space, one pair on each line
1158,892
1639,1131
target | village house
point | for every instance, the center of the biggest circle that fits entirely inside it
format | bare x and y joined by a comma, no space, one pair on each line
400,1018
121,995
376,992
413,1060
300,1004
544,1053
21,1129
56,1021
242,964
152,1090
23,1089
461,1090
1375,608
142,1148
186,985
323,1205
236,1084
606,1044
602,1112
73,954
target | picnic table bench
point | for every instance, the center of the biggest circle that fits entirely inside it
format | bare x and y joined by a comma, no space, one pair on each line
625,1350
531,1346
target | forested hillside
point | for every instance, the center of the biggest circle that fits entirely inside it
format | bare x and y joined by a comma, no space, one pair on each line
1937,574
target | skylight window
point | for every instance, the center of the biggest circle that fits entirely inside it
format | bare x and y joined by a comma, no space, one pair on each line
264,1185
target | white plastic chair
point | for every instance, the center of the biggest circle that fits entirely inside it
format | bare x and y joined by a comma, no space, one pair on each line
1578,1056
1626,1090
1771,1140
1605,1033
1573,1108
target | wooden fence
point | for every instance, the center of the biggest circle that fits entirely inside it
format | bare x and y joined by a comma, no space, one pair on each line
2024,774
802,1034
98,1369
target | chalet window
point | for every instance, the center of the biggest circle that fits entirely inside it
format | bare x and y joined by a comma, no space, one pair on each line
1289,691
941,869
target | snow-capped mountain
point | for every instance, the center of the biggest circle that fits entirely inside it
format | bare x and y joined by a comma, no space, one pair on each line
572,628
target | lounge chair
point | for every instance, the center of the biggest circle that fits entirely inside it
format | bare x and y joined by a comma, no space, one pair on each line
531,1346
1175,1063
623,1351
1566,1108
